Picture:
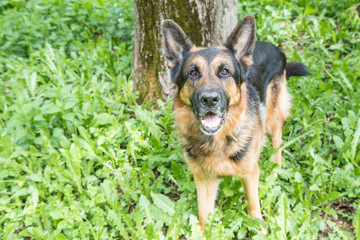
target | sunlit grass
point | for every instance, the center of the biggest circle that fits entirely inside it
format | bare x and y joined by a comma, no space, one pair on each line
79,159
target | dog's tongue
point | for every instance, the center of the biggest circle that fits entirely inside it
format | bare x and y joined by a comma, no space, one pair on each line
211,120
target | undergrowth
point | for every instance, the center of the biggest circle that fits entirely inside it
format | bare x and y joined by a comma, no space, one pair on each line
79,159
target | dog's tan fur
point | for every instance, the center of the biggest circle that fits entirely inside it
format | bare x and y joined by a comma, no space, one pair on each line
278,105
209,168
235,149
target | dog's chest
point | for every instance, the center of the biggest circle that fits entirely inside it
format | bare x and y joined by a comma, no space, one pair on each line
219,158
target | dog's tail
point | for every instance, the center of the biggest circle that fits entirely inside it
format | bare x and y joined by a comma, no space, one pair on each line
296,69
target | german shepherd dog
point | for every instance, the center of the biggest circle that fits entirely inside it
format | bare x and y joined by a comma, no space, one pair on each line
228,96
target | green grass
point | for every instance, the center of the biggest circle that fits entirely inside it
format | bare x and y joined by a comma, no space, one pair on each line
79,159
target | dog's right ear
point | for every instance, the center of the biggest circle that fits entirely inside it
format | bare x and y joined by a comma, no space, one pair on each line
175,43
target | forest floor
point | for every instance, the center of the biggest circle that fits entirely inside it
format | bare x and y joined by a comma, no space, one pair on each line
80,159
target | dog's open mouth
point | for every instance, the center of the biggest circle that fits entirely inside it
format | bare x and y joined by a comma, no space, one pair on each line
210,123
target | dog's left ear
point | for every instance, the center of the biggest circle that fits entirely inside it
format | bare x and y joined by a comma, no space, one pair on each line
175,42
242,40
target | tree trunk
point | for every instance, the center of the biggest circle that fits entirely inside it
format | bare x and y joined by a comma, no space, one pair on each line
206,22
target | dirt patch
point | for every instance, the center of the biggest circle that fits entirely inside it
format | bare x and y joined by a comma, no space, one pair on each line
343,209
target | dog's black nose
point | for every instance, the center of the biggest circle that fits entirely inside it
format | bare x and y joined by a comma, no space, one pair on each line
209,99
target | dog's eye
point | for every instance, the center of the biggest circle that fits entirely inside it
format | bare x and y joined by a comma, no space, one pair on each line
224,72
194,73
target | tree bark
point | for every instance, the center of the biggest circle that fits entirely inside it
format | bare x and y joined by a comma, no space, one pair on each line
206,22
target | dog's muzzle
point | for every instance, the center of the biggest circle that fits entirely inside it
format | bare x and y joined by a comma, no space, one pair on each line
210,108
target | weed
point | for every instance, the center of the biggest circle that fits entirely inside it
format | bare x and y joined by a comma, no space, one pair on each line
80,159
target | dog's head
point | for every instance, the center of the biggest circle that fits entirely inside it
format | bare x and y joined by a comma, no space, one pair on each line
209,79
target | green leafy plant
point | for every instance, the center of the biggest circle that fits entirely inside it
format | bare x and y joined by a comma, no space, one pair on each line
80,159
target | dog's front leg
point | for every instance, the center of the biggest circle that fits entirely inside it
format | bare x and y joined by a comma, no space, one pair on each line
251,183
206,195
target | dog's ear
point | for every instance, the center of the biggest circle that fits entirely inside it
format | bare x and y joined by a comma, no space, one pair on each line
242,40
175,43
